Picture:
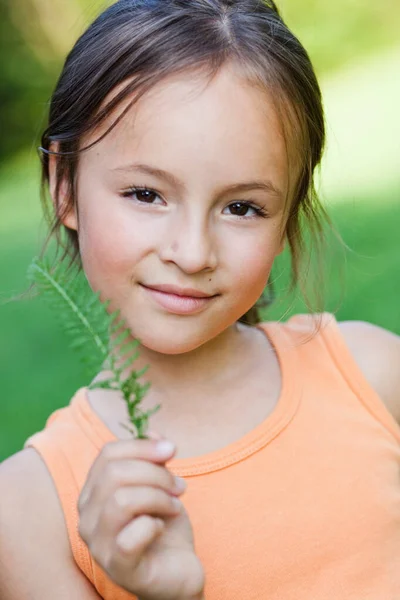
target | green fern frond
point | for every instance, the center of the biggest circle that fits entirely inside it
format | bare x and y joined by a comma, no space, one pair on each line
100,338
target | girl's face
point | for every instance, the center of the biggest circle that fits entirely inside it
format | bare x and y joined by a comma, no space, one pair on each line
203,223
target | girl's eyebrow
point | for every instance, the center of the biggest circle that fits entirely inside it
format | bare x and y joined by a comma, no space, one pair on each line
267,185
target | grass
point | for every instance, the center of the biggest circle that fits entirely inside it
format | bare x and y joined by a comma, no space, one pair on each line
39,371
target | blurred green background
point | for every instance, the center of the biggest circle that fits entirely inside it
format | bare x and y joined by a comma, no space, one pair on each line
355,48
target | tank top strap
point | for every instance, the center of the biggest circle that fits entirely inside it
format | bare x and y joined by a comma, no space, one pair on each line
68,458
349,369
298,339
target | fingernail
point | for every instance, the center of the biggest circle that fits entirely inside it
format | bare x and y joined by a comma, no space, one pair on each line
165,448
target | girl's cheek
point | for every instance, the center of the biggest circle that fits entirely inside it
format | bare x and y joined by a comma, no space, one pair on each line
116,252
252,258
111,231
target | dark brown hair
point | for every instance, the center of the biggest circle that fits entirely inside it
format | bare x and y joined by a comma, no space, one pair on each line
137,43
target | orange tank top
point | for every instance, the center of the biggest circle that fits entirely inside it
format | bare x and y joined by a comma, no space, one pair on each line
306,506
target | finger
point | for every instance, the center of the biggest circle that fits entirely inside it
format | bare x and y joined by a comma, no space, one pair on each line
142,473
101,522
128,503
119,474
124,449
136,537
148,449
115,557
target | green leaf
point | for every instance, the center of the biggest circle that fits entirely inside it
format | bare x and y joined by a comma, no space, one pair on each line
101,339
70,301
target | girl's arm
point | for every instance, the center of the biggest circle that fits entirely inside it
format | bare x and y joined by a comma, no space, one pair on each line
35,557
377,353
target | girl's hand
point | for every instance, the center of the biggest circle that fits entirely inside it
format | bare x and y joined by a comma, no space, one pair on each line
133,528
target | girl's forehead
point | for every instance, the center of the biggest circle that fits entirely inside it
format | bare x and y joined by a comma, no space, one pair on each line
190,104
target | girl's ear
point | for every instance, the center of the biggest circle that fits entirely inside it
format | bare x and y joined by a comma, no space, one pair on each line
68,216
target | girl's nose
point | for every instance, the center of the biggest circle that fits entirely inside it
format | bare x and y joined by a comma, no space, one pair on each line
190,245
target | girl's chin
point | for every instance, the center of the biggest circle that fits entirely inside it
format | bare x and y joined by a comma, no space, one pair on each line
172,345
174,339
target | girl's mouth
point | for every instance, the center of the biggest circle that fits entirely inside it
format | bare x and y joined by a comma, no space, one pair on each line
180,305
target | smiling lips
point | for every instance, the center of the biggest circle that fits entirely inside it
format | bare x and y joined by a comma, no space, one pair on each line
177,300
177,291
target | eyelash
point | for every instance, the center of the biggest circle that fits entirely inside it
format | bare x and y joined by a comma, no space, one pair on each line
260,212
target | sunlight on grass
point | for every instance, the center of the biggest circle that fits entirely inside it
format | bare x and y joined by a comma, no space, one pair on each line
362,107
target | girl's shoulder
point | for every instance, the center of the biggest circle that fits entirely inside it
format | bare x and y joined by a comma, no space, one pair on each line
35,555
377,353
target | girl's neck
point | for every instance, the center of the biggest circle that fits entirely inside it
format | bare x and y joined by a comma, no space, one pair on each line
203,386
209,364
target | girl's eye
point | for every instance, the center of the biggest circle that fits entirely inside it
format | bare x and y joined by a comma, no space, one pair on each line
240,209
144,195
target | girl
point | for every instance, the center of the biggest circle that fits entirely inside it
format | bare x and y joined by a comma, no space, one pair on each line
182,141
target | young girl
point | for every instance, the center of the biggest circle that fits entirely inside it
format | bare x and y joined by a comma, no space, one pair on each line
182,141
